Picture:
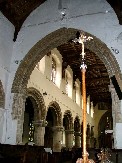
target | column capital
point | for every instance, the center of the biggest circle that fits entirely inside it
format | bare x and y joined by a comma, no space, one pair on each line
77,133
41,123
57,128
69,131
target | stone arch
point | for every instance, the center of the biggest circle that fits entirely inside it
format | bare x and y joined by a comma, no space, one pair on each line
56,112
40,113
2,95
69,120
55,39
38,51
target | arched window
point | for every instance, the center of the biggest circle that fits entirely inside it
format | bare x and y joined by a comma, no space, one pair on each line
53,73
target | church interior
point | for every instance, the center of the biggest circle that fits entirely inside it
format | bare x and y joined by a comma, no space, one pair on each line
42,91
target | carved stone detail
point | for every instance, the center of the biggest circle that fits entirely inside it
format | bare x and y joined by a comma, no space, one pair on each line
57,128
41,123
69,131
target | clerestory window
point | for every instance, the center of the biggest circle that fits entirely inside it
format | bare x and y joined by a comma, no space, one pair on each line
53,73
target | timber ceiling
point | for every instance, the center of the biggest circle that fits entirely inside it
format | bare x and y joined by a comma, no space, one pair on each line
97,79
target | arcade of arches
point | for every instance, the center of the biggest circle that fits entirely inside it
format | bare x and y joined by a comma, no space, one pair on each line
50,133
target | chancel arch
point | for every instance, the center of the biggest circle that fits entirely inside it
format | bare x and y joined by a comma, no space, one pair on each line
41,48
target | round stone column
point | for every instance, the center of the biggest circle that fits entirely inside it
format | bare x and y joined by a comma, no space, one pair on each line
39,132
69,134
57,138
77,139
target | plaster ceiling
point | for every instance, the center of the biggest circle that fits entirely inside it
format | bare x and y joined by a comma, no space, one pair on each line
18,10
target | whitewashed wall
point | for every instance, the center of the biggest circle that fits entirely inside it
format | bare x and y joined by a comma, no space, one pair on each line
6,49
